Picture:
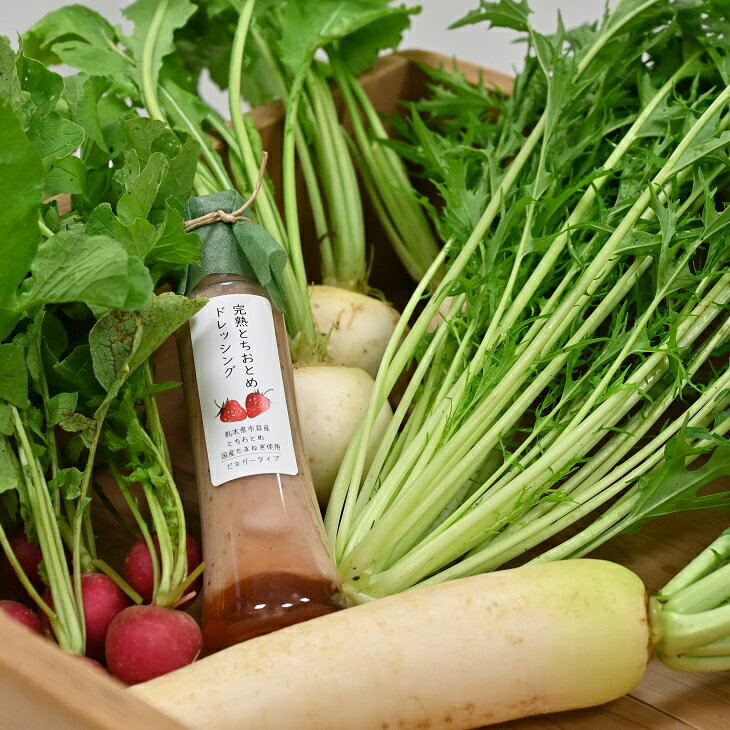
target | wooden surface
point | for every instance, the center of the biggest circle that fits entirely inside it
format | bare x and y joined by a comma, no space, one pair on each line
665,700
44,689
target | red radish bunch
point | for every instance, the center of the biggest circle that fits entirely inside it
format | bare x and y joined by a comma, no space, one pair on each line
145,642
22,614
138,568
29,556
103,600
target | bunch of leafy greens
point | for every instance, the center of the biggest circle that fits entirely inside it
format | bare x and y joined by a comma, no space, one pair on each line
79,319
259,50
580,363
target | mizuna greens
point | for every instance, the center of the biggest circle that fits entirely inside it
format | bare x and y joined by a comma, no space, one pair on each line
583,360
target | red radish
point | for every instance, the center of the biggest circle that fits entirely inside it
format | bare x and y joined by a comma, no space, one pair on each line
103,600
256,404
231,411
145,642
138,568
29,556
92,663
23,615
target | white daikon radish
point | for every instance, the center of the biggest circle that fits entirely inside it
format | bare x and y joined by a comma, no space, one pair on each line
473,652
331,401
358,326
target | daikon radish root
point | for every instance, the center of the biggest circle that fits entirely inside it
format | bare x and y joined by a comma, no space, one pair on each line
331,402
465,654
358,326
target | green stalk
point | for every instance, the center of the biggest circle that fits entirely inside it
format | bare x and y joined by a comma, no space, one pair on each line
213,159
80,517
609,524
343,189
23,578
549,258
349,477
104,567
703,565
69,626
509,545
433,485
306,339
141,523
149,83
387,181
572,304
265,204
433,552
314,195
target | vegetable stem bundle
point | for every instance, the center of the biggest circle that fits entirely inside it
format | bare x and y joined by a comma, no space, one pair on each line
589,295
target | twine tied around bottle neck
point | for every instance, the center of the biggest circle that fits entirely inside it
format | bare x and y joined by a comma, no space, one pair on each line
221,216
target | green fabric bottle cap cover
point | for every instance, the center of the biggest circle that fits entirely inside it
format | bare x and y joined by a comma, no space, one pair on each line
244,248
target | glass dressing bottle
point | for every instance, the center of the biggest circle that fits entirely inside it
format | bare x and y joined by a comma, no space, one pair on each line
267,560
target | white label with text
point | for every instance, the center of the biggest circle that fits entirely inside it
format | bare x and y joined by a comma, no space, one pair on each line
245,417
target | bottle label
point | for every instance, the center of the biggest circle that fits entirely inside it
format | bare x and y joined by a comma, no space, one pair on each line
241,389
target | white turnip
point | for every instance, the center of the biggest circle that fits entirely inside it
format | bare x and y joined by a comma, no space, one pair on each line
145,642
331,401
358,327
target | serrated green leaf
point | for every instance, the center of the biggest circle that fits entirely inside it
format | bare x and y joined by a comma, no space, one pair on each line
308,26
13,375
169,15
54,136
502,14
92,60
65,176
160,319
113,340
60,406
673,488
359,50
173,245
69,482
65,24
21,181
43,88
10,89
83,93
6,419
141,192
9,467
121,341
80,424
74,267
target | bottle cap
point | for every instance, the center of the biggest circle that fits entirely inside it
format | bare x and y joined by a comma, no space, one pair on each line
244,248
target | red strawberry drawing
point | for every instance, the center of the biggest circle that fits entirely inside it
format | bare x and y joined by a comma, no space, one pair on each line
230,411
256,404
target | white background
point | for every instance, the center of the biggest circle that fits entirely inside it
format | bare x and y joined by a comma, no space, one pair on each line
494,49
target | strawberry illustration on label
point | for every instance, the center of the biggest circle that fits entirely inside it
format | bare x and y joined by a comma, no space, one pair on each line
230,411
256,404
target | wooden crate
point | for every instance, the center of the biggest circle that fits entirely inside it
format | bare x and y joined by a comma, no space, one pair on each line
42,688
